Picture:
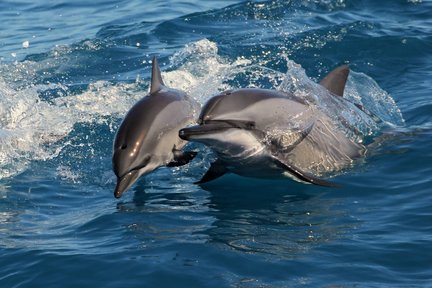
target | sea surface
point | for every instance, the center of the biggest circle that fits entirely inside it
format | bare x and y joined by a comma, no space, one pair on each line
69,72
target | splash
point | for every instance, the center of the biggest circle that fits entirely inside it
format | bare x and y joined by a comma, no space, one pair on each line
363,90
31,127
202,72
36,121
26,125
363,111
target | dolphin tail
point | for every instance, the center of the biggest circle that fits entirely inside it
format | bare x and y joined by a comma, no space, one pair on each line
303,176
216,170
335,81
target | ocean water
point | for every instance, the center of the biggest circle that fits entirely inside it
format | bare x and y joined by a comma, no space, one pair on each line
70,70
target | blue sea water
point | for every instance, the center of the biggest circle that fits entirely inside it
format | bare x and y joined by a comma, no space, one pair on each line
70,70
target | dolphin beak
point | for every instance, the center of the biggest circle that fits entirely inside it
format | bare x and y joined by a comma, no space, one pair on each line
186,133
125,182
189,133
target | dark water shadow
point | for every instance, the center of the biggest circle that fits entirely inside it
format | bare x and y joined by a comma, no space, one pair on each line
275,219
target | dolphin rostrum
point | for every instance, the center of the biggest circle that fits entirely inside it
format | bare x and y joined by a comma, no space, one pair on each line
268,134
148,136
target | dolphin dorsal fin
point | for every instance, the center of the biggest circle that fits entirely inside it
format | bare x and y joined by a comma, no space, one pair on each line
335,81
156,78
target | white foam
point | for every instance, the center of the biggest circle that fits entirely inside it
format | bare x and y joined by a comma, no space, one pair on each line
199,70
360,90
26,44
30,128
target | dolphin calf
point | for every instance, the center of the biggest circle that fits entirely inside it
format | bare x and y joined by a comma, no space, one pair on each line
272,134
148,136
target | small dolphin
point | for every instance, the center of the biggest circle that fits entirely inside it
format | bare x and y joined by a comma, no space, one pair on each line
148,136
272,134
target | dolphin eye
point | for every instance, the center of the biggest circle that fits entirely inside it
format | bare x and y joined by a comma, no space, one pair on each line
123,147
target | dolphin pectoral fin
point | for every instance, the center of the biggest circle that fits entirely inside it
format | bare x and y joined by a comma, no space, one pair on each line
335,81
216,170
285,142
303,176
181,158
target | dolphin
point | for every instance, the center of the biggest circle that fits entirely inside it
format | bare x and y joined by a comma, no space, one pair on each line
148,136
273,134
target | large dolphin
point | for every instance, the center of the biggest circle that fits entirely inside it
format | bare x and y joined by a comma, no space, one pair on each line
272,134
148,136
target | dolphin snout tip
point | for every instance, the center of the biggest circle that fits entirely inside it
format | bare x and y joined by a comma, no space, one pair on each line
118,192
125,182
